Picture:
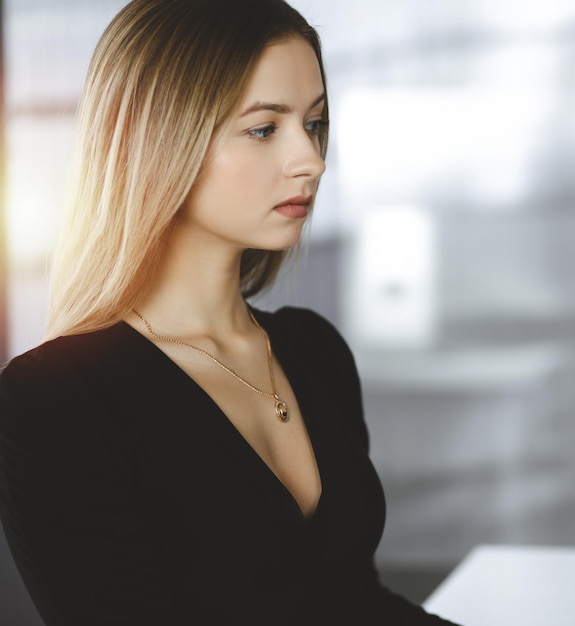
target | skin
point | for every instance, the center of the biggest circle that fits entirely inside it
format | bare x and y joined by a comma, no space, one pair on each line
262,156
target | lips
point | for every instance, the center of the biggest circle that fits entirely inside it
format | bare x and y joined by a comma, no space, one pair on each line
297,207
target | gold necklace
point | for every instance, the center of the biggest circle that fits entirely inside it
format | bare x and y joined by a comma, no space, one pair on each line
280,406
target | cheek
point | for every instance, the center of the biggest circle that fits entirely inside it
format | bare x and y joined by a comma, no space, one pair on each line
237,176
226,182
245,170
227,171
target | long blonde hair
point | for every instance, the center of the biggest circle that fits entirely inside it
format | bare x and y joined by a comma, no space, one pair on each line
164,75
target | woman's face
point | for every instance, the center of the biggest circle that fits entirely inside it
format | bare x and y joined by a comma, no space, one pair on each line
264,164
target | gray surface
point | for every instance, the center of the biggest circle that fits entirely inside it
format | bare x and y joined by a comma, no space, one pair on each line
16,608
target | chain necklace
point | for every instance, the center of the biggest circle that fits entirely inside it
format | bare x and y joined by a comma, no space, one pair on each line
280,406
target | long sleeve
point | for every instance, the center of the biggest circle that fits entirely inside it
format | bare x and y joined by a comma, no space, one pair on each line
383,606
69,507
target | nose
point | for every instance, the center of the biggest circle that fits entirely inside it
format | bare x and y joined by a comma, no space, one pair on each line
304,157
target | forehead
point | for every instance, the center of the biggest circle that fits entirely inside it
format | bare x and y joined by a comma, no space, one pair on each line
287,71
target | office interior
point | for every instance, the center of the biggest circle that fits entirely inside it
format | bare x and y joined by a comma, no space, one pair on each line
442,246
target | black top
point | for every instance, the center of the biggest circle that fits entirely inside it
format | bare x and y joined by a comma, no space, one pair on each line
128,498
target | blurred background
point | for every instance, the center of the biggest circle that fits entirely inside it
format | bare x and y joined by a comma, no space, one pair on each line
442,247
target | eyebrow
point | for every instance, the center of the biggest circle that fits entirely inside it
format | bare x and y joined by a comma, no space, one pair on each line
278,108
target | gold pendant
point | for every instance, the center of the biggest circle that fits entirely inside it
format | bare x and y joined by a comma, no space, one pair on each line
281,410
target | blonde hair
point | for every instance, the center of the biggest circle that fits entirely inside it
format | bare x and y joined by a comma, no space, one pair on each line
164,75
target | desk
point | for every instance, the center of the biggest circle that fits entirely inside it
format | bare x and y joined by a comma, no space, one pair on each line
509,586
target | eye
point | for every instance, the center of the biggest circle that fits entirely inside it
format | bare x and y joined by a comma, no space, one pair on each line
314,127
263,133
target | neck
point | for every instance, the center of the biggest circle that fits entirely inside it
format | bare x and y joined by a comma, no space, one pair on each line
197,290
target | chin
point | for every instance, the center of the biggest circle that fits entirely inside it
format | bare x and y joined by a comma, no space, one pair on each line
290,239
279,240
286,245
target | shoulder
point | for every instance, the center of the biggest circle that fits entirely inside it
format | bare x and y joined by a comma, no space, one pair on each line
39,369
314,338
306,326
320,350
57,368
52,404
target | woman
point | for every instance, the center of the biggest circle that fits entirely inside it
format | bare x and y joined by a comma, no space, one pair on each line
171,456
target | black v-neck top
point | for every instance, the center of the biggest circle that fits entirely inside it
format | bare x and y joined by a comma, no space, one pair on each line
128,498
